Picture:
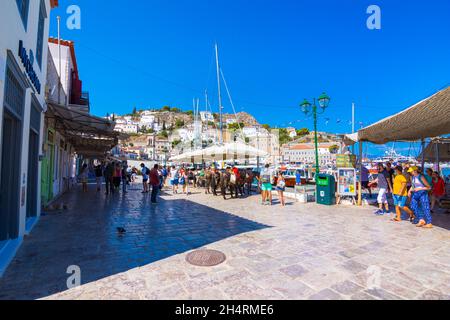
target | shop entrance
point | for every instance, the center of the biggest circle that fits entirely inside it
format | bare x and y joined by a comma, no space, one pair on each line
10,177
11,155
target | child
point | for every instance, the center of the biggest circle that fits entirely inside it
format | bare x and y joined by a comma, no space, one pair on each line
84,177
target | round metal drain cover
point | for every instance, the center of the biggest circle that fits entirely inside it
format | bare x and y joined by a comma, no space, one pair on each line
206,258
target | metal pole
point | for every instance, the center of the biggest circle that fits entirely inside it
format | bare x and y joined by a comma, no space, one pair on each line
316,142
353,125
219,93
360,173
59,58
436,152
423,156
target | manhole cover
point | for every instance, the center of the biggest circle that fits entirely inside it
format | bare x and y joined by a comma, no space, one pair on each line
205,258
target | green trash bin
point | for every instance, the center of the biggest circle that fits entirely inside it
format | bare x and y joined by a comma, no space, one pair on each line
326,189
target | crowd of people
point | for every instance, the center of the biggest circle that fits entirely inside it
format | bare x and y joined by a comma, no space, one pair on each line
413,191
229,183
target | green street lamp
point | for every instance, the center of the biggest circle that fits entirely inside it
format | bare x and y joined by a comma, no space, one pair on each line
311,109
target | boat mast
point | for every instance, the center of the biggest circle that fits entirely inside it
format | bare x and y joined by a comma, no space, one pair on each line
220,96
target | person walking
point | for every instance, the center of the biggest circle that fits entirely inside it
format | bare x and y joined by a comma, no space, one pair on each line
400,195
145,172
117,176
419,198
98,170
124,176
298,178
265,180
108,175
165,174
184,181
281,188
84,177
233,184
365,180
384,184
174,179
155,182
438,191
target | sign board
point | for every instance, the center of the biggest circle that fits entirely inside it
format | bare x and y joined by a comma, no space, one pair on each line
347,182
345,161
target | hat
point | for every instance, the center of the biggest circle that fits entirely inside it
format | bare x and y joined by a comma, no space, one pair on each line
412,169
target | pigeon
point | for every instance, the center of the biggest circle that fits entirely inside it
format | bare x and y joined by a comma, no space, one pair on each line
121,230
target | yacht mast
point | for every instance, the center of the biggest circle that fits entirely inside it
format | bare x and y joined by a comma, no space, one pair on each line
219,93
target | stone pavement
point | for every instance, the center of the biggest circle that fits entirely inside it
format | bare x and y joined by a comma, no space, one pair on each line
296,252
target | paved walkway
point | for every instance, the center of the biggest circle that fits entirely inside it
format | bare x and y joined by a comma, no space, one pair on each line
296,252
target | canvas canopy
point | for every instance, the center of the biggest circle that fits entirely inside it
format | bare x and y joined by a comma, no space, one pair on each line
228,151
427,119
90,136
437,150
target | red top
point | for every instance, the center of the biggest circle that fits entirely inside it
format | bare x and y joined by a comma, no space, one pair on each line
154,177
236,173
439,187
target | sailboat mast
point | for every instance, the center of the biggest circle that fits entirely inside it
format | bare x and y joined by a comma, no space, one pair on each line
219,93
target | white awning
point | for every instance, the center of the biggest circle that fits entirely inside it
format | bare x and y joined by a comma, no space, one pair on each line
228,151
427,119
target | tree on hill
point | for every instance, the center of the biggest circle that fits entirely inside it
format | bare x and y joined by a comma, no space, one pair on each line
175,143
166,108
284,136
175,110
303,132
334,149
235,126
266,126
189,113
163,134
179,124
134,111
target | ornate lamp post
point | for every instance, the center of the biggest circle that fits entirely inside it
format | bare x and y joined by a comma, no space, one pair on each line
311,109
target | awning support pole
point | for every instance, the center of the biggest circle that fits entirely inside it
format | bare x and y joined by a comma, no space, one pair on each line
423,155
360,173
436,151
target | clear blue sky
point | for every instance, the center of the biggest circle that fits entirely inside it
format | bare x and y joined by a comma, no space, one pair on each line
273,53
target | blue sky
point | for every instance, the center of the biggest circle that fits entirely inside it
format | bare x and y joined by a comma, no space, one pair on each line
273,53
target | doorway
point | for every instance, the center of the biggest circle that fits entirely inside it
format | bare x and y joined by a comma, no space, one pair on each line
10,177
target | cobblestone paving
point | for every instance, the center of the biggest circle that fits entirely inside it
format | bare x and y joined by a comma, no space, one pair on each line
296,252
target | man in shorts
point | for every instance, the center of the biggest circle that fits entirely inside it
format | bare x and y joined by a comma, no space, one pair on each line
400,194
145,172
265,179
385,186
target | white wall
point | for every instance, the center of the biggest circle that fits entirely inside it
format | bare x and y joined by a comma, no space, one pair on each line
66,66
11,31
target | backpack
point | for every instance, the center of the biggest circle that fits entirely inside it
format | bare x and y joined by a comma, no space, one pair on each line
233,178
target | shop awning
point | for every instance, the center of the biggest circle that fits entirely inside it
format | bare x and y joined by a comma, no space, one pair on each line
91,136
228,151
437,150
426,119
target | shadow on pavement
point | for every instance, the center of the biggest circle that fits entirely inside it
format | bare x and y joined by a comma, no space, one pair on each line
86,236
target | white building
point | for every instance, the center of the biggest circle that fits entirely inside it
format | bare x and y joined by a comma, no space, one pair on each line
24,28
147,120
126,127
305,153
206,116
